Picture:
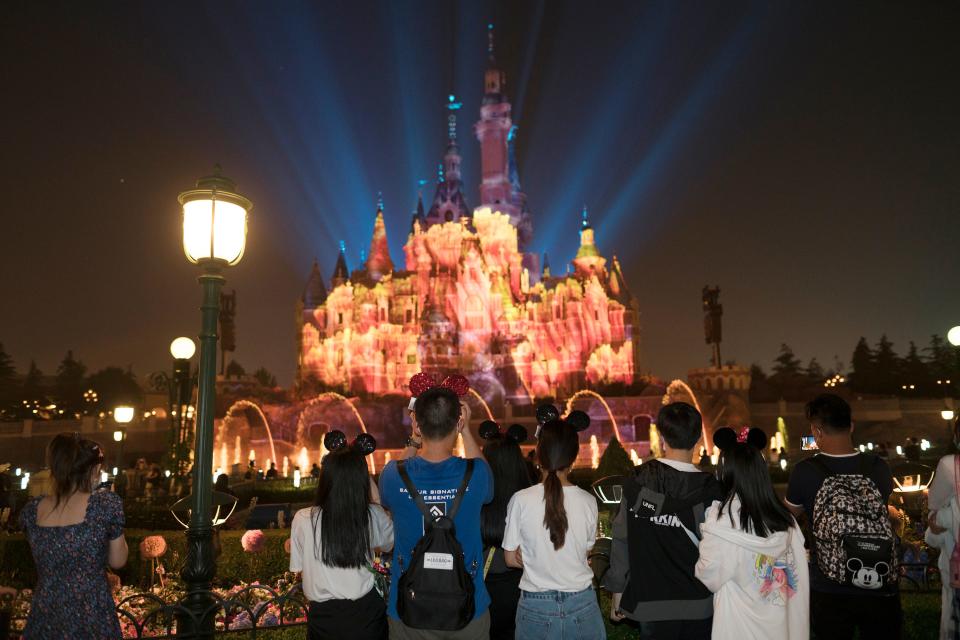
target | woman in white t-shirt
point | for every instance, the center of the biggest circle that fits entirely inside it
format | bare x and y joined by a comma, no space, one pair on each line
942,523
333,543
550,529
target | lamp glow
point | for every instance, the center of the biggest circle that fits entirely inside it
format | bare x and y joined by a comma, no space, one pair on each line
114,472
24,481
182,348
18,471
899,450
118,436
783,465
123,415
946,414
214,221
103,476
296,478
953,336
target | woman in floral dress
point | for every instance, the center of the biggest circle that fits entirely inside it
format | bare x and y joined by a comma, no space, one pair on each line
74,534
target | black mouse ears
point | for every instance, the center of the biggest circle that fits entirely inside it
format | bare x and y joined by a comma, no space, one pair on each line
577,419
336,440
490,430
546,412
725,438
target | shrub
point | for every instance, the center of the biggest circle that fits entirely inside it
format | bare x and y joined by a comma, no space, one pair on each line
615,461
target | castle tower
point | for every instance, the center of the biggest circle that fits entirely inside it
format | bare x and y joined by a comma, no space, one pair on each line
448,202
379,263
315,293
588,260
340,272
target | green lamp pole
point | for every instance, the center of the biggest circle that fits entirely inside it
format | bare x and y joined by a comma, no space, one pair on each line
214,237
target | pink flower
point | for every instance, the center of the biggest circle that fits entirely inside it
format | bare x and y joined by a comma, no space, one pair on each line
153,546
286,546
252,541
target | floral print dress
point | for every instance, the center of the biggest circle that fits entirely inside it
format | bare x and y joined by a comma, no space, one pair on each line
72,599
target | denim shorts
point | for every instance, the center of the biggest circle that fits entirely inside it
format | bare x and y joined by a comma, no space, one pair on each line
560,615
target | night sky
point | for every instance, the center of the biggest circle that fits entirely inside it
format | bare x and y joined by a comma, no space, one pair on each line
803,156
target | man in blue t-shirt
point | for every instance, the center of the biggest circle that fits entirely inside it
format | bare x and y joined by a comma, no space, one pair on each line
438,416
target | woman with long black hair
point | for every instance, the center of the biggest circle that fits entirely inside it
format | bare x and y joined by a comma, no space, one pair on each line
751,552
510,475
333,543
550,529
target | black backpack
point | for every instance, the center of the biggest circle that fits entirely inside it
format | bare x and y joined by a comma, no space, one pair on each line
436,591
852,533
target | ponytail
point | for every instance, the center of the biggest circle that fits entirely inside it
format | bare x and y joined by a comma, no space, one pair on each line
557,450
554,516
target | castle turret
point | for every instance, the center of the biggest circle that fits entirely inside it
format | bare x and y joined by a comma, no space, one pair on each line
379,263
340,272
315,293
588,260
449,202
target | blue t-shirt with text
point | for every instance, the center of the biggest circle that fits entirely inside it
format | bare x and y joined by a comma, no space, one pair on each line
437,482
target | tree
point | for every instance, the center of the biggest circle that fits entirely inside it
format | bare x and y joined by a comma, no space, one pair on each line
886,366
115,386
913,370
787,364
69,386
265,378
8,383
235,369
33,383
939,358
814,371
615,461
862,372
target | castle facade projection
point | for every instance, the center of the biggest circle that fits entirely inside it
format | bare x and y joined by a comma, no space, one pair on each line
468,296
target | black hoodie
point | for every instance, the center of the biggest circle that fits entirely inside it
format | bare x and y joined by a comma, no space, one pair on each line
655,537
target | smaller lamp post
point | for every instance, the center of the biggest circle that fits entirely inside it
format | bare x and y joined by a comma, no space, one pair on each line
122,415
182,349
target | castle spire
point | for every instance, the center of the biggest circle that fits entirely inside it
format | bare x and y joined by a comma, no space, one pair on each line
379,263
340,272
588,259
494,80
315,293
546,265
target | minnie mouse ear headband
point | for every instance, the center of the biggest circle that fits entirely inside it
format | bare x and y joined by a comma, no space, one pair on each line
421,382
726,438
490,430
336,440
546,412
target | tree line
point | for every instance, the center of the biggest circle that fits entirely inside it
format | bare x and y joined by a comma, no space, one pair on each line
931,371
72,392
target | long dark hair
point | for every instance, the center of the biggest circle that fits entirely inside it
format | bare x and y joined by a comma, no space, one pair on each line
71,460
343,508
557,450
743,473
509,476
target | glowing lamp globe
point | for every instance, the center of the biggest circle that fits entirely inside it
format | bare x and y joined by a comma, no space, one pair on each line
182,348
214,221
953,336
123,414
118,436
946,414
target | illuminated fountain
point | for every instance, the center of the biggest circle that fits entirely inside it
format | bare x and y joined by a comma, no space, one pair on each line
303,436
594,394
680,391
634,458
286,466
483,402
237,450
232,413
594,452
303,460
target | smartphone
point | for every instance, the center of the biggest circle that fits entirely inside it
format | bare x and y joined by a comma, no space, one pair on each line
808,443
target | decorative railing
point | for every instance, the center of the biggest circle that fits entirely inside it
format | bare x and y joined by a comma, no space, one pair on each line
253,609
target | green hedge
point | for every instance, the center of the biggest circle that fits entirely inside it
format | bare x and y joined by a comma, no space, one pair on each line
233,565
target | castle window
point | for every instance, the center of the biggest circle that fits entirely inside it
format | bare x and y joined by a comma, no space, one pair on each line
411,358
340,317
409,316
383,314
596,315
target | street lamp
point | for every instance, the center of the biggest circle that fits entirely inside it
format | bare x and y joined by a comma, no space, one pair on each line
953,336
214,237
182,349
122,415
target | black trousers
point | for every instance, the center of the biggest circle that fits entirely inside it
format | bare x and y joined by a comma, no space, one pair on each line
363,619
504,590
834,617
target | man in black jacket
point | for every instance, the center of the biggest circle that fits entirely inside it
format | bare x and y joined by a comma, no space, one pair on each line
656,533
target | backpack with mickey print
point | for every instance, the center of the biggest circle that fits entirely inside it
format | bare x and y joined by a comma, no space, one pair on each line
852,533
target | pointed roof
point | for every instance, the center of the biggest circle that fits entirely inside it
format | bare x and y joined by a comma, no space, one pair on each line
617,284
315,293
379,263
417,215
340,272
587,246
545,268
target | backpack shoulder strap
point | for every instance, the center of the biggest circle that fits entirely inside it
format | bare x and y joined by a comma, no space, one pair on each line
462,489
821,466
412,490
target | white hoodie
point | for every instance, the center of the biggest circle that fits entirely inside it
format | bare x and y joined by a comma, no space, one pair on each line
761,586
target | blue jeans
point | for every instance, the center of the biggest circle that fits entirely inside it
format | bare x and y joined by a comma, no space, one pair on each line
559,615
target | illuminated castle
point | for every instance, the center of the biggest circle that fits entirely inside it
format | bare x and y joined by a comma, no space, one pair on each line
469,297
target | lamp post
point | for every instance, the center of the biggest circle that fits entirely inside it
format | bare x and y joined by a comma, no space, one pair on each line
182,349
122,415
214,235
